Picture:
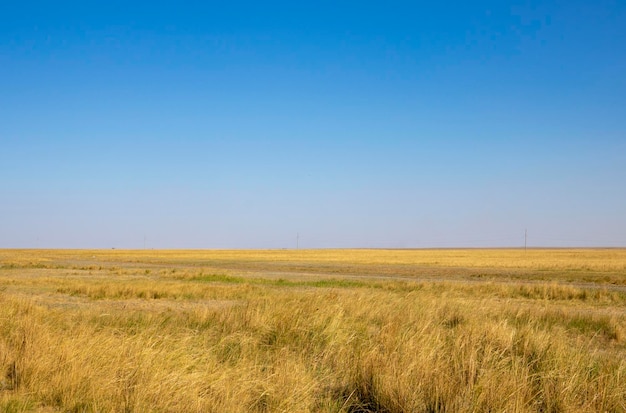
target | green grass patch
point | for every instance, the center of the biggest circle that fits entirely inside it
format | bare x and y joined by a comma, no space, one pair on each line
281,282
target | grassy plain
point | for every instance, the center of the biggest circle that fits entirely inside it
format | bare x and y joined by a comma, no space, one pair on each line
313,331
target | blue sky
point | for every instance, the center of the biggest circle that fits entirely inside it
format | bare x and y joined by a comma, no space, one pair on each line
355,124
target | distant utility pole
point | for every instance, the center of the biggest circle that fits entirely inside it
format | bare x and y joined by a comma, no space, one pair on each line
525,239
297,240
144,242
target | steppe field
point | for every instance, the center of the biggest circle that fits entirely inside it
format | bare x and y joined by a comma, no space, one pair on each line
501,330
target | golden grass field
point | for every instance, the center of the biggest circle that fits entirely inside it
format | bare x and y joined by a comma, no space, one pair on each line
313,331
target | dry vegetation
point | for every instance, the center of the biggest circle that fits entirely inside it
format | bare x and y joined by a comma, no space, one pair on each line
319,331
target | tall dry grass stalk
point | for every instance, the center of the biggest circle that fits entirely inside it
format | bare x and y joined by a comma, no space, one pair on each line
143,336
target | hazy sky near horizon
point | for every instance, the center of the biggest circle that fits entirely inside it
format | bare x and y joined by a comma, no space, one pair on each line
355,124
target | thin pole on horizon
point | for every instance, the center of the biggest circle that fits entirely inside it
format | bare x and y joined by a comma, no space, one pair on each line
144,241
525,238
297,240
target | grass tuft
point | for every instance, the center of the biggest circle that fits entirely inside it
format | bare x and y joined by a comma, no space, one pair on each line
312,331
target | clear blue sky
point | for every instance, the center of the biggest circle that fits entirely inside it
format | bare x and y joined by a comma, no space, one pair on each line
354,124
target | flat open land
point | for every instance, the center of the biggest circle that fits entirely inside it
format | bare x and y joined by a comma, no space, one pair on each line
469,330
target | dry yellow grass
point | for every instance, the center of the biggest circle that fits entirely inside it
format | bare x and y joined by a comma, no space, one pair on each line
313,331
582,265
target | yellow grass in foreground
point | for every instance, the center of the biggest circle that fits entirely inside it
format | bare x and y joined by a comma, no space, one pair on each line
323,331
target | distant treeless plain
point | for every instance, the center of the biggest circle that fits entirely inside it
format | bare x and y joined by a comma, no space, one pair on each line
313,330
